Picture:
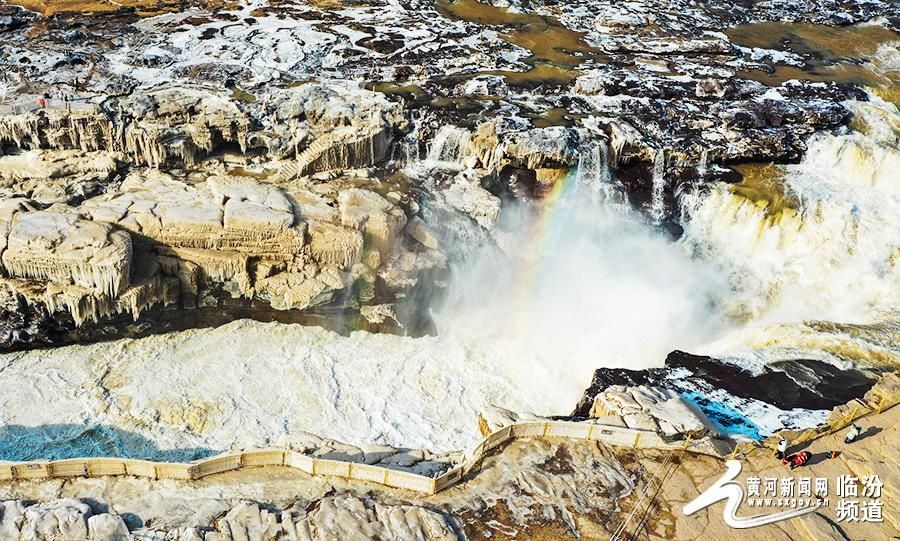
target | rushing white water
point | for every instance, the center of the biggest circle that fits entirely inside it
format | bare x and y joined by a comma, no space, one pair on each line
409,146
594,170
449,147
658,190
580,284
702,167
834,257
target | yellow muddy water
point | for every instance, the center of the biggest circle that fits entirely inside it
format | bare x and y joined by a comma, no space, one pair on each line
846,54
549,41
555,50
763,183
143,8
556,117
833,43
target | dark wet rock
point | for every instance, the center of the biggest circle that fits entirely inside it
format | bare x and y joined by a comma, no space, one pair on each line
9,22
543,148
799,383
656,85
709,88
73,36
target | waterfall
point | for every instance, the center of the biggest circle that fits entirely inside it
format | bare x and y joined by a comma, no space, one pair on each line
832,256
658,192
410,152
451,145
578,278
702,167
594,172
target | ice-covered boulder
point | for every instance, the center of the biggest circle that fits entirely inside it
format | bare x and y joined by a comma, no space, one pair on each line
246,521
332,126
493,418
59,519
294,290
378,219
12,516
347,517
49,177
107,527
225,213
61,246
468,196
650,408
543,147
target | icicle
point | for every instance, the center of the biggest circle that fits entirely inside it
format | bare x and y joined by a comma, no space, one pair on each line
61,247
140,297
658,192
220,266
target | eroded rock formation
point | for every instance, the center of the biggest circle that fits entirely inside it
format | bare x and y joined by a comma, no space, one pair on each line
323,161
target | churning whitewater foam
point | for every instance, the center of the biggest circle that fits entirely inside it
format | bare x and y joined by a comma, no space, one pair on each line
834,257
580,283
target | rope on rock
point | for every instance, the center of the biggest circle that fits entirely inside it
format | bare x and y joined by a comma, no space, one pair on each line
621,529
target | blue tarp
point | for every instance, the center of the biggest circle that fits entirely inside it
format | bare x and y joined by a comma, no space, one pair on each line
725,418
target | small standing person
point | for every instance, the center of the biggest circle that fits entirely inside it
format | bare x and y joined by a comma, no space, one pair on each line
782,447
853,433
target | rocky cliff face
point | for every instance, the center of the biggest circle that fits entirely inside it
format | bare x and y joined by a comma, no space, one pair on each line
166,165
191,152
107,235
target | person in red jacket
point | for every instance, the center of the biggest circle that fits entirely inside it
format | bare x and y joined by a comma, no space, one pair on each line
795,460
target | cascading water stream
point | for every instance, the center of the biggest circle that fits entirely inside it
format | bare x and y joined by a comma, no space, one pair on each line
594,172
703,166
582,282
449,148
578,285
832,256
658,190
410,149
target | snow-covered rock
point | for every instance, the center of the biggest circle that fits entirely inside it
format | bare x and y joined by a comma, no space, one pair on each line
651,408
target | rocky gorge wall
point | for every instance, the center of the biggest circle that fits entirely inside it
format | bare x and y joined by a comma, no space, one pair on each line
533,194
232,161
